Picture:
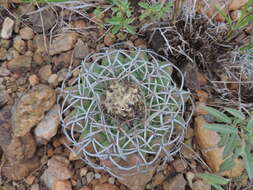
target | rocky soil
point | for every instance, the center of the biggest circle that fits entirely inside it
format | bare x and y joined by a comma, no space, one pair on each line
35,58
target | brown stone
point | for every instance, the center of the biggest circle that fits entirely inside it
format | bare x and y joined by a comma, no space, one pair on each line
105,186
30,179
41,43
81,50
31,107
179,165
43,20
19,45
58,166
20,63
62,185
45,72
20,148
86,188
201,185
176,183
19,171
26,33
63,60
237,4
62,43
138,181
79,24
109,39
33,80
158,179
3,54
208,141
16,149
38,58
205,137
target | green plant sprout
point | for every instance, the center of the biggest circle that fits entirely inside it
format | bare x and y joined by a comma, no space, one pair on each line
235,27
214,180
236,132
122,16
154,11
98,12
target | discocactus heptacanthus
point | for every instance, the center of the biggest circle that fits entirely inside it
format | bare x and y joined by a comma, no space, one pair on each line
123,111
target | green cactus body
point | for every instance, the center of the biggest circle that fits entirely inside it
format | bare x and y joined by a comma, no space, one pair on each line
126,103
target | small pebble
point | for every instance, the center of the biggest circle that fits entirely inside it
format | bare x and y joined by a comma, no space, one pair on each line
26,33
19,44
3,54
97,176
7,28
33,80
83,171
53,80
90,176
35,187
111,180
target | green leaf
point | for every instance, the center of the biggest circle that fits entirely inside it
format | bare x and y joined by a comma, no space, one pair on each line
224,139
226,165
213,179
116,29
246,47
114,20
248,161
130,29
221,128
244,22
250,124
144,5
230,145
217,114
223,14
142,16
217,187
236,113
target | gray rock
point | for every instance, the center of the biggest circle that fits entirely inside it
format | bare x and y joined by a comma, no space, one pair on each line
4,72
90,176
47,128
81,50
46,23
7,28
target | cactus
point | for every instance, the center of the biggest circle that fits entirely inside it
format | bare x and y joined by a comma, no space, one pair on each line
124,111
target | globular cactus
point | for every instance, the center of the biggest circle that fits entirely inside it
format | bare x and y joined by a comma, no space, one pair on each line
124,112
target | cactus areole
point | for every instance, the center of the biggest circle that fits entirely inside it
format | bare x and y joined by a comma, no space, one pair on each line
123,100
124,112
